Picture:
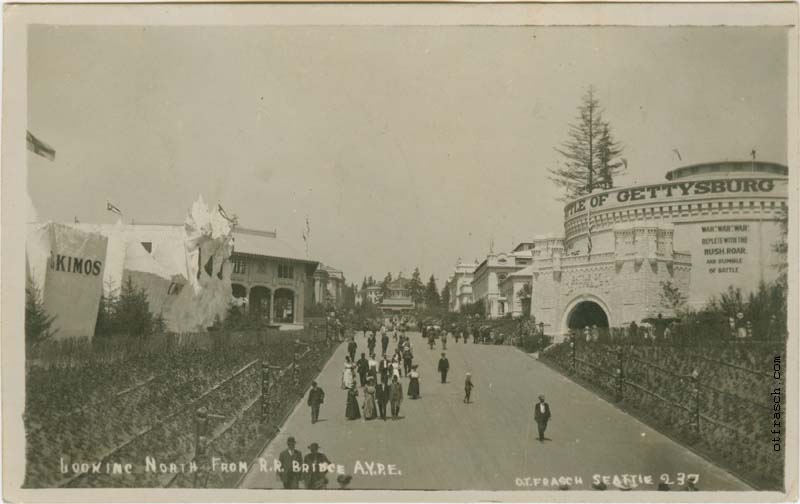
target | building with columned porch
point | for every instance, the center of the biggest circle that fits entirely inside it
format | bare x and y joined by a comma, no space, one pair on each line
275,279
329,284
460,285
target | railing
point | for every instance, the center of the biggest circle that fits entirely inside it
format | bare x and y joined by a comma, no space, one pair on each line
230,418
675,388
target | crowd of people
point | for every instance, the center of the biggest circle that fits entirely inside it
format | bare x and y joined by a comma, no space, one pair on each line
380,379
374,387
675,386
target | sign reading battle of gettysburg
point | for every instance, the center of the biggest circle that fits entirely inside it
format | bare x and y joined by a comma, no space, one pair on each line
671,192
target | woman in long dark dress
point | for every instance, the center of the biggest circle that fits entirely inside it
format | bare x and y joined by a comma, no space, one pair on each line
352,411
413,384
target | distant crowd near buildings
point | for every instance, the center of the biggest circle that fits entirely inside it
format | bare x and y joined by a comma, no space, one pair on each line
708,227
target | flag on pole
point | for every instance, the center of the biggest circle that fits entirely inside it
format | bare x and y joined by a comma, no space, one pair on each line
112,208
307,235
225,215
38,147
589,227
307,230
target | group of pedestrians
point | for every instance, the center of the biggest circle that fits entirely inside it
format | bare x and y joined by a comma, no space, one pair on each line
379,381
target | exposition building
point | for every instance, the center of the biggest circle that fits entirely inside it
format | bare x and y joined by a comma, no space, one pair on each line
708,227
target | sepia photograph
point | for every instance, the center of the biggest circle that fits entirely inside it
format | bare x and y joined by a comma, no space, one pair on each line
517,257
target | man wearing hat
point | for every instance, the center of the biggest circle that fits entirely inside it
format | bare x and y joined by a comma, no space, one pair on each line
444,367
382,393
316,396
288,473
541,414
317,464
395,397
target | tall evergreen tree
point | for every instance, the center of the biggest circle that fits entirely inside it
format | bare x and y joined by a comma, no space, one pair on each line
591,155
432,299
416,288
38,322
445,296
610,162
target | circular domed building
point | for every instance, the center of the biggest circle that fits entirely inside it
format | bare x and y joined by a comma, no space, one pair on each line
708,227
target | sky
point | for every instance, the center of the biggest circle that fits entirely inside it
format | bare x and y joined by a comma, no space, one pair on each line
404,146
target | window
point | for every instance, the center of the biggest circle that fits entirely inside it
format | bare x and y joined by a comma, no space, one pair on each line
262,267
239,266
285,270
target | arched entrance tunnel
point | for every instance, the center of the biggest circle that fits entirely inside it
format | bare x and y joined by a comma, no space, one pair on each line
587,314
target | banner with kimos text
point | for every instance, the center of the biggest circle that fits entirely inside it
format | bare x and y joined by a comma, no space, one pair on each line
73,277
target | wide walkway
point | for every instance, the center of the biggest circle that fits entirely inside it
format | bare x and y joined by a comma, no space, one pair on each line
442,443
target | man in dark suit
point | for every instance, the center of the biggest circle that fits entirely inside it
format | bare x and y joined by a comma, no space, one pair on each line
384,342
316,396
288,473
362,366
352,346
382,395
384,368
395,396
444,367
317,462
541,414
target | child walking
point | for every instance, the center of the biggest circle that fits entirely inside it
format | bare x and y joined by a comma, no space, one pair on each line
468,386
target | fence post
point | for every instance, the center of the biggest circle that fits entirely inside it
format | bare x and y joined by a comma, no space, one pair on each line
201,426
620,374
295,371
574,346
696,390
265,379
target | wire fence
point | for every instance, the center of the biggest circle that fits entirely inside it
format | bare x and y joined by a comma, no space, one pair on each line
162,430
721,404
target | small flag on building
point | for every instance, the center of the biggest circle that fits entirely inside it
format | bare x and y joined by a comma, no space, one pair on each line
38,147
307,235
224,215
112,208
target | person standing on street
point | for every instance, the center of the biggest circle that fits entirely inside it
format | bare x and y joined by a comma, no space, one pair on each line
370,410
286,472
542,416
352,411
384,342
352,346
408,358
362,366
444,367
382,391
468,386
371,344
316,396
317,463
395,397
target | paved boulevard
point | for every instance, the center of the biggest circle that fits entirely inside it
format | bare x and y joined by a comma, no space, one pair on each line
442,443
